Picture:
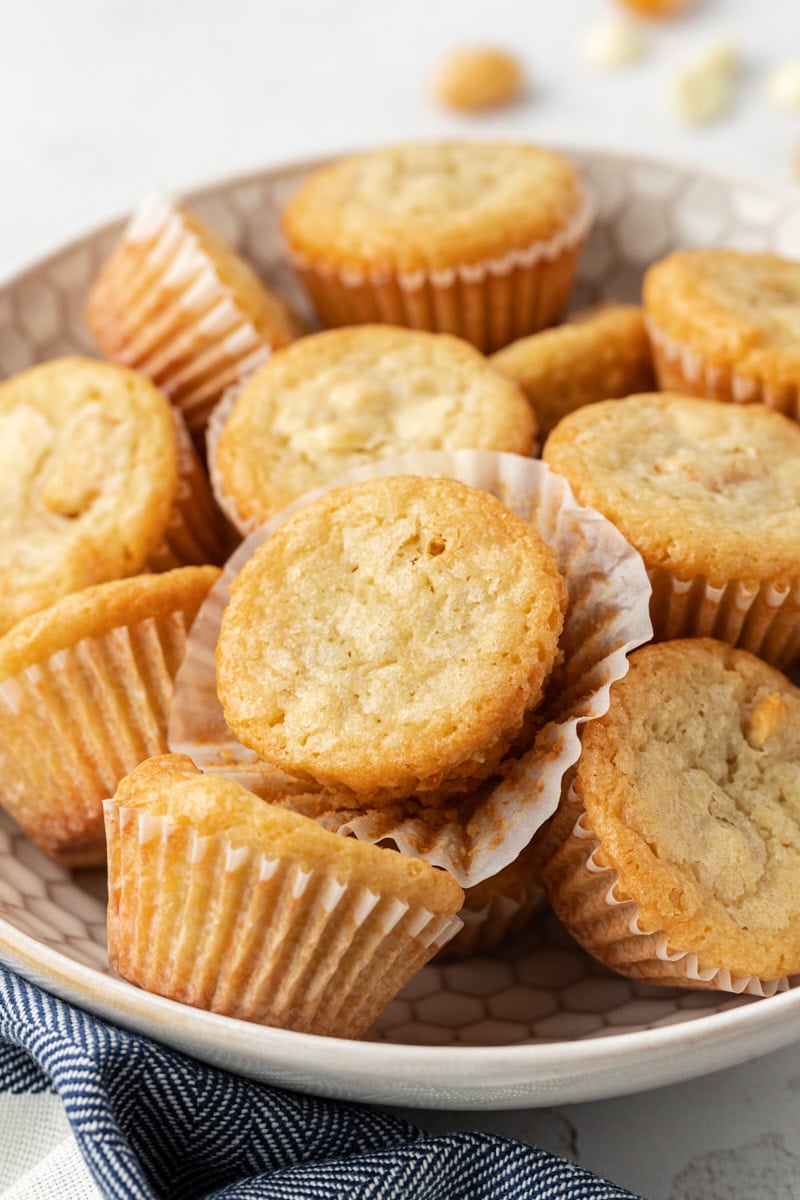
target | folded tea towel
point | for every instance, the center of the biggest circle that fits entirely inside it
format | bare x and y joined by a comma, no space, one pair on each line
152,1123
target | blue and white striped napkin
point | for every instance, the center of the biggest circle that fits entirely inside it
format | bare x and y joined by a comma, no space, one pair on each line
151,1123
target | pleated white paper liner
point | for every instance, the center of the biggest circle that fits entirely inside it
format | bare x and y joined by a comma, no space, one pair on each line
608,615
762,617
227,503
255,937
587,898
497,921
489,303
179,323
494,911
679,368
74,724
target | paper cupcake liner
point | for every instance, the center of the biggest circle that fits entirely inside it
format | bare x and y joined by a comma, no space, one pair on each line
243,525
608,616
76,723
234,931
177,322
499,908
679,368
489,303
762,617
194,535
491,924
587,899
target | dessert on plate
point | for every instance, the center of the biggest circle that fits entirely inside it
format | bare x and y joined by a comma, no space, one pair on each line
709,495
411,662
85,694
177,302
676,857
479,239
726,324
391,638
336,400
219,900
97,482
477,822
601,354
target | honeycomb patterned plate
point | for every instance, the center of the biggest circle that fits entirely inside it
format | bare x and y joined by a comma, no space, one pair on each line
538,1022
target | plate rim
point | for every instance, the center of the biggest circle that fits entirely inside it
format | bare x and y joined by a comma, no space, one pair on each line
566,1061
559,1059
782,189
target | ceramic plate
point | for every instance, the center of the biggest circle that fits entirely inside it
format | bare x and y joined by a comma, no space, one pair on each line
538,1022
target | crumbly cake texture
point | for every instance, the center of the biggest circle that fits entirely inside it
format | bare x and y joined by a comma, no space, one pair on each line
171,786
337,400
699,487
739,311
95,611
391,637
431,205
602,354
88,477
691,782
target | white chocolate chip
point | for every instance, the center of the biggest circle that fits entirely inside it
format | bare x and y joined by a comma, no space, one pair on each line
701,90
722,56
332,437
783,85
610,44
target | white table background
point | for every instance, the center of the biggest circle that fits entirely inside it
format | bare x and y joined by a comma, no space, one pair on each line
103,99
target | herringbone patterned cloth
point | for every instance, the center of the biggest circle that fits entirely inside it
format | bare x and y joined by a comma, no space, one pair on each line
152,1123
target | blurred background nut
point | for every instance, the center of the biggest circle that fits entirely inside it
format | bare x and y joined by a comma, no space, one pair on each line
656,8
475,78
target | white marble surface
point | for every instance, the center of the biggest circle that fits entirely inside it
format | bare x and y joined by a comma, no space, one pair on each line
734,1135
103,99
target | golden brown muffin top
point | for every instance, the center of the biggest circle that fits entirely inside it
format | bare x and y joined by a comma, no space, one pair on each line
602,354
340,399
432,205
691,782
172,787
697,486
88,476
390,637
99,609
740,311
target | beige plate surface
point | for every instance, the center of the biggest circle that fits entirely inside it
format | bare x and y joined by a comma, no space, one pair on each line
539,1022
